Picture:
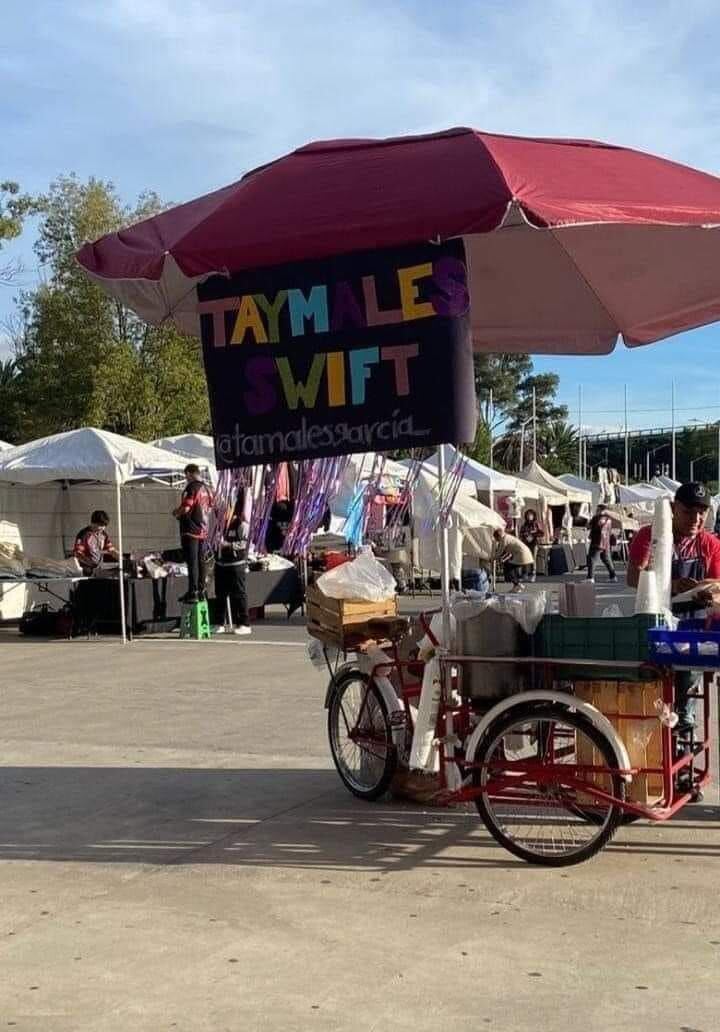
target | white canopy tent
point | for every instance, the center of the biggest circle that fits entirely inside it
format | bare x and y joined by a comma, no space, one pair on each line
566,492
198,447
579,484
89,454
666,484
484,478
470,527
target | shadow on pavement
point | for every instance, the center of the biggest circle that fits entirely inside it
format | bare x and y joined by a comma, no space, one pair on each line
301,819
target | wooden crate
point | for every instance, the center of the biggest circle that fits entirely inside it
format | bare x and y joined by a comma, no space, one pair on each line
337,620
642,738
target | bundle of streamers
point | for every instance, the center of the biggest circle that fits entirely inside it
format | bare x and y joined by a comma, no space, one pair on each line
447,493
262,508
399,512
451,485
317,484
230,482
359,511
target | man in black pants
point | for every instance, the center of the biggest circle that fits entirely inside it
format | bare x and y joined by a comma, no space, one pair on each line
193,514
230,587
600,544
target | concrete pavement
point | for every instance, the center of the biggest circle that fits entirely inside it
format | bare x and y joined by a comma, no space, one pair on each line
177,853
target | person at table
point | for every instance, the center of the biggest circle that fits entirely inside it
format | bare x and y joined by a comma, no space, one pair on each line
600,544
695,562
516,557
230,589
93,545
531,533
193,514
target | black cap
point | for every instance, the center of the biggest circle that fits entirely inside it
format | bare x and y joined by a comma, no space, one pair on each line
694,494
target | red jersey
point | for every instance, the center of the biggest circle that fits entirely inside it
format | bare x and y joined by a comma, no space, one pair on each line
704,545
194,510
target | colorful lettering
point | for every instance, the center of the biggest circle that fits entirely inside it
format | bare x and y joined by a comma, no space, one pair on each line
411,307
272,312
217,309
375,316
248,319
346,309
450,277
336,378
314,307
400,355
360,361
296,392
260,374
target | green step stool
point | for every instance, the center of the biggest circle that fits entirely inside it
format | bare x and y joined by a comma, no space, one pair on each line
195,620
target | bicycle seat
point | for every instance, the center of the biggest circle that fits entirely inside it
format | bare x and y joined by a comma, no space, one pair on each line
392,628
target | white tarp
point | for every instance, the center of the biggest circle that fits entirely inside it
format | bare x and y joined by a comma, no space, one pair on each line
484,478
578,484
86,454
191,446
667,485
566,493
470,529
4,446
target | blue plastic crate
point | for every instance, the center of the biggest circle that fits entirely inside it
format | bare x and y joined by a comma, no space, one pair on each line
691,645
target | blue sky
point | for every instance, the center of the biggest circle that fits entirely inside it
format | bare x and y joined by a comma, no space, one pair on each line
181,97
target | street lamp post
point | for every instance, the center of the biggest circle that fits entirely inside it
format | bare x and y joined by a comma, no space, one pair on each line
698,459
522,440
652,451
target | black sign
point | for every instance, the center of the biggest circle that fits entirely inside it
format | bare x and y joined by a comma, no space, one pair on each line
362,352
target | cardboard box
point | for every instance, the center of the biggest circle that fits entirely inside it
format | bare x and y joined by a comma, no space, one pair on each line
642,738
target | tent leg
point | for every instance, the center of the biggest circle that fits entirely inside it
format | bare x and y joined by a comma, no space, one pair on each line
444,557
121,579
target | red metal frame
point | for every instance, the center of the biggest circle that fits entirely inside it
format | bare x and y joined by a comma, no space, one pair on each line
546,773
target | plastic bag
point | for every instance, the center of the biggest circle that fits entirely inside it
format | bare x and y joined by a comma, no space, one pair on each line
527,610
364,579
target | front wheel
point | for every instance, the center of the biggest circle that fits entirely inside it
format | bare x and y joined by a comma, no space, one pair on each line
361,736
538,769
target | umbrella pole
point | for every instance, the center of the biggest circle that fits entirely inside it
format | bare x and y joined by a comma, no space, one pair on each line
121,580
444,559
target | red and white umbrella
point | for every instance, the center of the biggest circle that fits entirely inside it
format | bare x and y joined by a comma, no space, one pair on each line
570,243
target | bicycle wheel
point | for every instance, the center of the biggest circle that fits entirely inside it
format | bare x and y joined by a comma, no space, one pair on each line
360,736
529,803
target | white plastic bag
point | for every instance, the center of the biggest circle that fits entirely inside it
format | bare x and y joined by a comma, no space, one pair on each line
364,579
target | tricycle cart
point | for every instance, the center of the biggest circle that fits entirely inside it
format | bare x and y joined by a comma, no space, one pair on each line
553,770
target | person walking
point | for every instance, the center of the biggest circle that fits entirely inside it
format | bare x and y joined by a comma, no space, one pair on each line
530,533
193,516
600,544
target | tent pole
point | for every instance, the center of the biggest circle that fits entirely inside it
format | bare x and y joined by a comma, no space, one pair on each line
121,579
444,560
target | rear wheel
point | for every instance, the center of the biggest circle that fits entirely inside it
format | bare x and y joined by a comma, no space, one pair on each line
360,736
532,794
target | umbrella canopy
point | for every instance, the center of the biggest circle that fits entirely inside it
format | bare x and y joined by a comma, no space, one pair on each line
567,492
86,454
569,242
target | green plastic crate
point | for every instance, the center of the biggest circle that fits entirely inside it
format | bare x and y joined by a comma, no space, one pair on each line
593,637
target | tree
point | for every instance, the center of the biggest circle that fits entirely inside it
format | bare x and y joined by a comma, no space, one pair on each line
84,358
14,207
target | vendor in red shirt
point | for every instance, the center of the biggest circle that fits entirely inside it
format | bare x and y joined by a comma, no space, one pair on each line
696,561
92,544
696,553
